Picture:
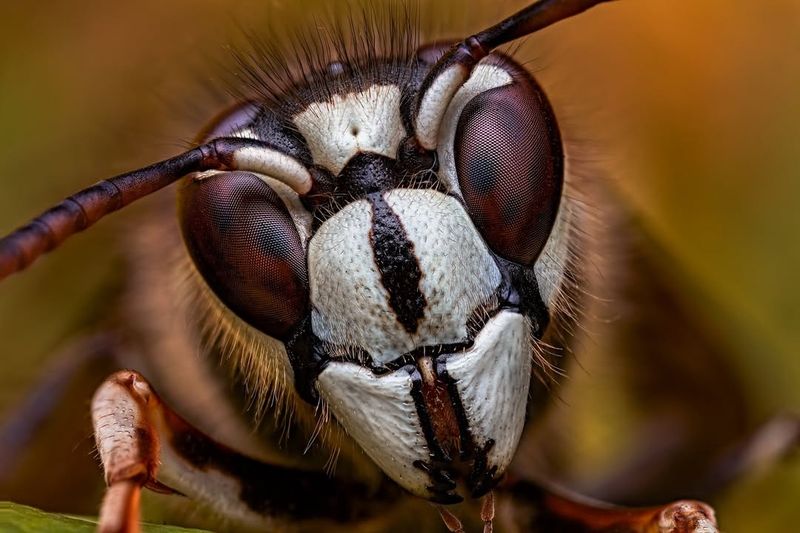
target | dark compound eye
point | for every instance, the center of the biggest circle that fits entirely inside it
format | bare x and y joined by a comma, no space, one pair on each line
509,162
244,243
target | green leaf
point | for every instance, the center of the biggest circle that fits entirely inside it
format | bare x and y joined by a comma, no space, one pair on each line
15,518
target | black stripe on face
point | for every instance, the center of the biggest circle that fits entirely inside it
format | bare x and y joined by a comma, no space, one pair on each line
395,259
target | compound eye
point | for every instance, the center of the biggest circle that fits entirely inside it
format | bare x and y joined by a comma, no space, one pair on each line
245,245
509,162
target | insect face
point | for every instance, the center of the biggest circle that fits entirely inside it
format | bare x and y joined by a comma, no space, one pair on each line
389,236
404,286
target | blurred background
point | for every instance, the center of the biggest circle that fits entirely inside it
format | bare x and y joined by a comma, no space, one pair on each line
690,109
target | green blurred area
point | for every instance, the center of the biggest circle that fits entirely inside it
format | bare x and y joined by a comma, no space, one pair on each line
22,519
692,107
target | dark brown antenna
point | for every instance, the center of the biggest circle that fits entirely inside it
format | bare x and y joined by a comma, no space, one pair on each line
47,231
454,68
76,213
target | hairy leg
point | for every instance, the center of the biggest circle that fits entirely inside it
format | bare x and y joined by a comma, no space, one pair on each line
535,508
144,444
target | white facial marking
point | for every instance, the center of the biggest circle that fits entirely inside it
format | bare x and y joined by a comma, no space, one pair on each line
484,77
379,413
350,306
274,164
492,380
245,133
205,174
301,216
435,102
368,121
552,262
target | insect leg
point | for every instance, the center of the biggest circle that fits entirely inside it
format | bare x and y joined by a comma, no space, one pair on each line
487,512
549,510
143,443
451,521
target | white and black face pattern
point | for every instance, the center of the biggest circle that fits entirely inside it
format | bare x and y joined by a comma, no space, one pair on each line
409,285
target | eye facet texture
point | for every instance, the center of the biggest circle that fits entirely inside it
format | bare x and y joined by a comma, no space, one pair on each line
244,243
509,163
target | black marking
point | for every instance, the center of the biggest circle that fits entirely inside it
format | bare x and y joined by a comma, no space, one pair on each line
483,478
278,130
439,467
308,359
442,483
366,173
362,358
272,490
519,291
399,268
